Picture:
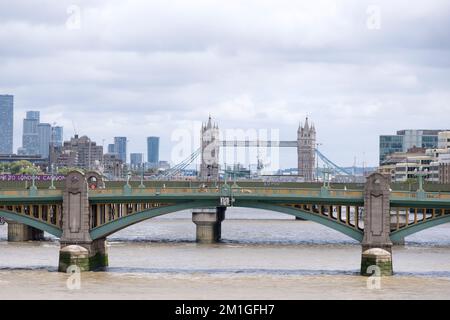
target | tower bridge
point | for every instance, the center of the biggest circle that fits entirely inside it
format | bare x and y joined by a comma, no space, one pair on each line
86,210
211,143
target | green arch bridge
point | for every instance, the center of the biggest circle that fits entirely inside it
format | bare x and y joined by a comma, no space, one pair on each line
85,212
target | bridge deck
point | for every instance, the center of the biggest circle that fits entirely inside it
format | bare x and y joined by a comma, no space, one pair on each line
262,144
114,208
397,197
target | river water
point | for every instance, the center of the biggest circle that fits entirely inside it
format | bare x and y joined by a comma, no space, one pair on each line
263,255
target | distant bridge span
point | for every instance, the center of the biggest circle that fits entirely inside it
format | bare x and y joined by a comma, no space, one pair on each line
262,144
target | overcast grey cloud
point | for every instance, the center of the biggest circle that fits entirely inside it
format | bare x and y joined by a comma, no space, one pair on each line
141,68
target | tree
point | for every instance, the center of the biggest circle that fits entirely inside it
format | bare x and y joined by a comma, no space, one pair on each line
24,167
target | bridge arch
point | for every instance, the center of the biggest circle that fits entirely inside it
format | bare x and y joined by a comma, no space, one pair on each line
420,226
31,222
126,221
332,224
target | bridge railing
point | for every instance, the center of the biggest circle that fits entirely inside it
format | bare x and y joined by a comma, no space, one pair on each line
28,193
305,192
415,195
338,193
140,191
277,191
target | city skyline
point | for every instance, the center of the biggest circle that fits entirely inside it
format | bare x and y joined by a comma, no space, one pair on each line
59,139
366,78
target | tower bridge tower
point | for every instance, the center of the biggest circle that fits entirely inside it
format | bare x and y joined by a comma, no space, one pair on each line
306,139
209,167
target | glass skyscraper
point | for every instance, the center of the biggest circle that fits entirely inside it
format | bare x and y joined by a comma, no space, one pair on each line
35,115
30,136
57,136
111,148
6,123
44,137
389,145
136,160
120,148
38,137
153,150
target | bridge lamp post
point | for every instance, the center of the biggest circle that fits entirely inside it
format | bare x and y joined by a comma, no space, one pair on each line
52,186
420,176
127,186
326,177
128,177
142,186
33,187
326,181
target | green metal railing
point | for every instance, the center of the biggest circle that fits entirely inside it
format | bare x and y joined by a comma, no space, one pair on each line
248,191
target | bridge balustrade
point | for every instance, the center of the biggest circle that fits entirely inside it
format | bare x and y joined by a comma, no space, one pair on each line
26,193
414,195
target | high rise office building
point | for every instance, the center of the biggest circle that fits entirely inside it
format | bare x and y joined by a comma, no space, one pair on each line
44,138
405,140
35,115
153,150
30,136
120,147
80,152
136,160
111,148
38,138
6,123
57,136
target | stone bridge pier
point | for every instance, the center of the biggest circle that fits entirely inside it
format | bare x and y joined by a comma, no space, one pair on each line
209,224
77,246
377,246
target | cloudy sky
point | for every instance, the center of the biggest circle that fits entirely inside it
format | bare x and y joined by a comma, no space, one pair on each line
139,68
